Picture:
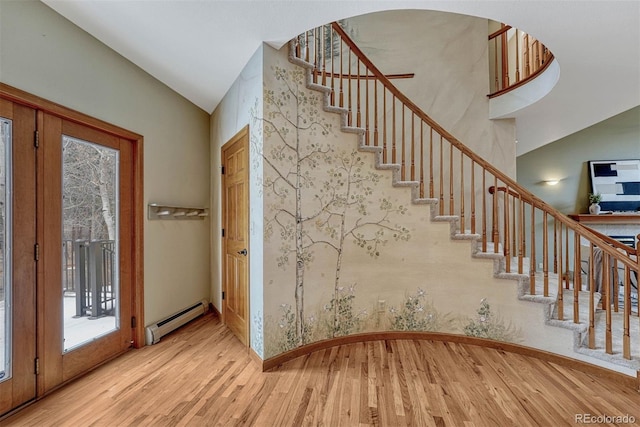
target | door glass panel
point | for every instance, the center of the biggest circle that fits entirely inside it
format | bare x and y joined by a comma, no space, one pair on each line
5,252
90,268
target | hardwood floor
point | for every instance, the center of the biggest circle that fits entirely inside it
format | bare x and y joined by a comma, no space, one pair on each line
202,376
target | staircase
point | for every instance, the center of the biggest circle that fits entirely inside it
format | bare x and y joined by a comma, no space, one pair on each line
502,221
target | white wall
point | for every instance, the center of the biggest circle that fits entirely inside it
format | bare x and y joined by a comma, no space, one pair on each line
234,112
46,55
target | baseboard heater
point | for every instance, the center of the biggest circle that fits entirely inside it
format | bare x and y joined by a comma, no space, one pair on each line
161,328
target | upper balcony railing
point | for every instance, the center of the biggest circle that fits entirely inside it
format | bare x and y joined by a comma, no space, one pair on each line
515,58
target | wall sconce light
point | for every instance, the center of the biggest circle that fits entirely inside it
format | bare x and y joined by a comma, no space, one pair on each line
552,181
166,212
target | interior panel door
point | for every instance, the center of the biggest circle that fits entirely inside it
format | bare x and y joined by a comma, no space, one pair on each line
235,304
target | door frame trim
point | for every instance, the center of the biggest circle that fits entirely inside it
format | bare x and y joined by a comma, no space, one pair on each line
137,260
244,132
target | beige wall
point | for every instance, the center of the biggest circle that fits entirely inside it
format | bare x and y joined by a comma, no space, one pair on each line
449,55
46,55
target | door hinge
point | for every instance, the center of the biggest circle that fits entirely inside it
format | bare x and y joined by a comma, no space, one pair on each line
222,170
133,321
223,232
36,252
222,294
36,366
36,139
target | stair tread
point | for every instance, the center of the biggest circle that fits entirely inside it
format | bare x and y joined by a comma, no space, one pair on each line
617,324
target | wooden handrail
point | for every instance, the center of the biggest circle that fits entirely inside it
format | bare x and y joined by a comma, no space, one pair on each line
424,151
500,31
528,196
492,190
421,114
617,244
524,81
585,231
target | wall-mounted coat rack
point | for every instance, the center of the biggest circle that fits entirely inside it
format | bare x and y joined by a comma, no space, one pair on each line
158,211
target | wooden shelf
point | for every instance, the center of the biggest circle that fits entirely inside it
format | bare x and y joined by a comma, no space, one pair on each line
614,218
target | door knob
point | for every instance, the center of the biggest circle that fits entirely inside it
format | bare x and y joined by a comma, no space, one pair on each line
243,252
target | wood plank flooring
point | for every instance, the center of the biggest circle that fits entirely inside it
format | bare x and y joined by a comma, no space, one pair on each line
202,376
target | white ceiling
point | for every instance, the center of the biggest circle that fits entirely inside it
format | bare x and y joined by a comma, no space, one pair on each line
199,47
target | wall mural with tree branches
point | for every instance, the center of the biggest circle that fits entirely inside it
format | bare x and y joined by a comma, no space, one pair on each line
329,215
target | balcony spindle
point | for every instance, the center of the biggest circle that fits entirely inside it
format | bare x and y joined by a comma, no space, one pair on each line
521,234
545,253
532,262
441,200
614,285
592,299
393,131
358,109
413,147
626,336
514,224
349,93
403,146
484,210
473,197
505,59
431,163
341,75
507,242
560,303
421,159
566,244
606,289
462,184
333,71
555,247
384,126
451,204
366,107
494,226
560,255
375,112
324,56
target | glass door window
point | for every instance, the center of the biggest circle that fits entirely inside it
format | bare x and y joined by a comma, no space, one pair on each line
90,267
5,253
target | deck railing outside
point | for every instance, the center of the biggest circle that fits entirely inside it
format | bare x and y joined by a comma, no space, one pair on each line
89,269
511,221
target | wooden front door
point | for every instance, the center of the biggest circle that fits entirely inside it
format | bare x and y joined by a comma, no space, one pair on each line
235,242
85,191
70,245
17,255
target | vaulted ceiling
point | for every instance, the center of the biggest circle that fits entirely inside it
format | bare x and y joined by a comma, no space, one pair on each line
199,47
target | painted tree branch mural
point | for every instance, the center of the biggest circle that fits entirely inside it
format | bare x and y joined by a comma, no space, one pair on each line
319,198
488,325
291,122
347,214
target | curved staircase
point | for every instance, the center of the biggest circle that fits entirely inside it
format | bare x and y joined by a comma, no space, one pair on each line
503,221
